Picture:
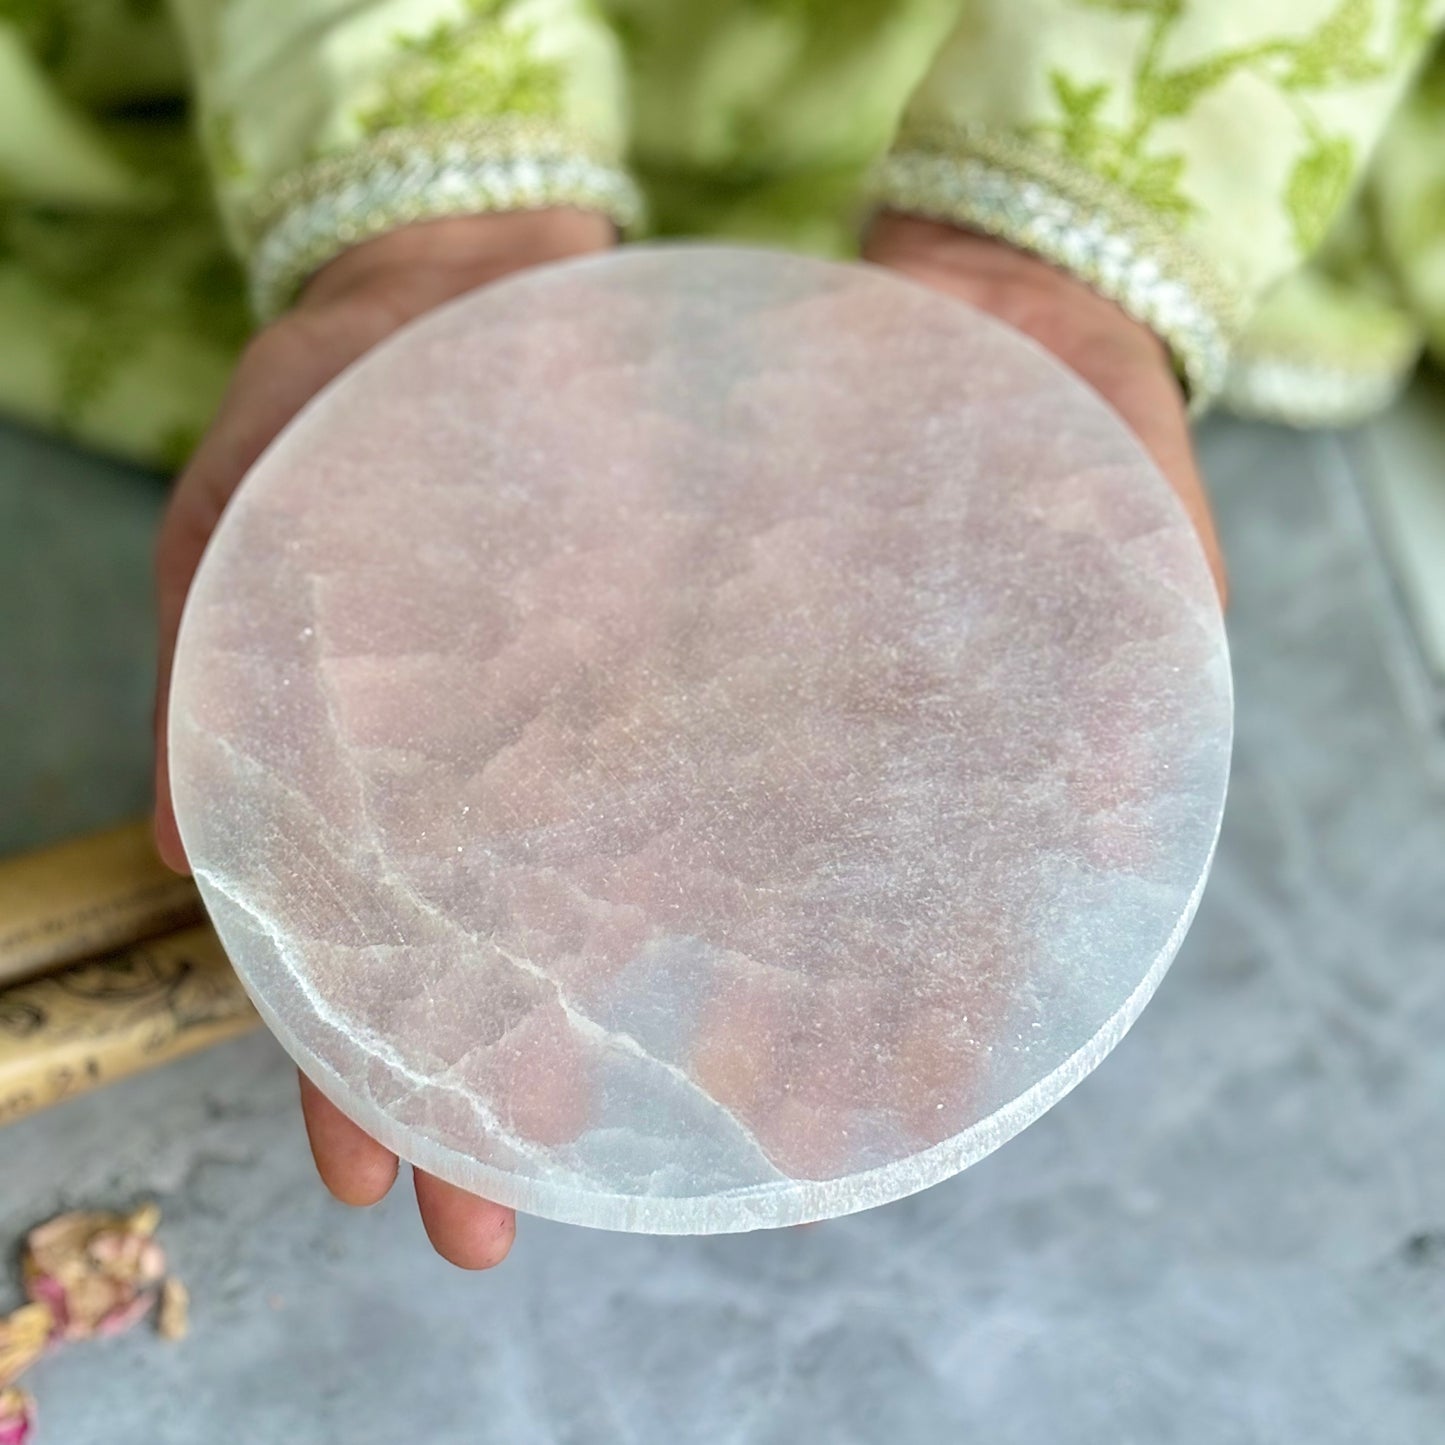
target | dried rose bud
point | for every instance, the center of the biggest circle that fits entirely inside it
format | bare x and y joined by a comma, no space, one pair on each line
98,1273
125,1316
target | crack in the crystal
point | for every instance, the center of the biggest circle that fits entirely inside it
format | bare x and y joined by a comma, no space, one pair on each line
629,1044
383,1051
408,895
381,873
581,1022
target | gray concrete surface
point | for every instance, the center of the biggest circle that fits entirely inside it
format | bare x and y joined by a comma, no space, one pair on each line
1233,1232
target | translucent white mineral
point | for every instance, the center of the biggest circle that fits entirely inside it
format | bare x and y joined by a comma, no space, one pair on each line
701,739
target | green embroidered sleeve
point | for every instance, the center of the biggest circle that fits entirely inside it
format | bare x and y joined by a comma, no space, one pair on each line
1181,155
1407,203
331,121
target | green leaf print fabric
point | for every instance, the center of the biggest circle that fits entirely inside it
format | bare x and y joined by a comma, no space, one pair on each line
1191,160
1262,181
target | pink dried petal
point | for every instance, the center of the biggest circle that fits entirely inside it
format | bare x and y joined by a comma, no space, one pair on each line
17,1416
125,1316
45,1289
85,1300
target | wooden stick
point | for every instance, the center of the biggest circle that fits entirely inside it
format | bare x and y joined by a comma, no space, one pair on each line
87,897
93,1023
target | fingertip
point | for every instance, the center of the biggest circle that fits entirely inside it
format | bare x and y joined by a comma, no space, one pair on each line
353,1166
467,1231
168,837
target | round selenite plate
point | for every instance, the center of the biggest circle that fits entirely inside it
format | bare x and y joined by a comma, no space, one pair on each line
701,739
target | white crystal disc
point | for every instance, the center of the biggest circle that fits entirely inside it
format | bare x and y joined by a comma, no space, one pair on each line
701,739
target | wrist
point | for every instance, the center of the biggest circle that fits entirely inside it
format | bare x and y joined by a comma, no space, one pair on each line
408,271
1090,333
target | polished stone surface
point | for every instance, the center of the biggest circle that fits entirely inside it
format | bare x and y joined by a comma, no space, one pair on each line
1233,1233
701,740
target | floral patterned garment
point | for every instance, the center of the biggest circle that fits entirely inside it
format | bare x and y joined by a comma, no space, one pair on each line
1261,181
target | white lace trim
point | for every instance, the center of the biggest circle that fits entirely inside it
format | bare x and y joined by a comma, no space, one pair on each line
1120,260
377,191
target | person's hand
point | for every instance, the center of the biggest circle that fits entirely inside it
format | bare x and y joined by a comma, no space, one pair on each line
349,306
1120,358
